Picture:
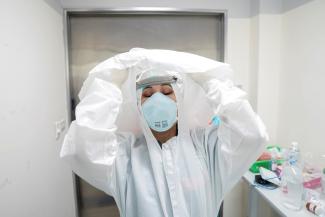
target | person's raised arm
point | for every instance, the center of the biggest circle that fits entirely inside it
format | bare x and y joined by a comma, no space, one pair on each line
238,140
91,145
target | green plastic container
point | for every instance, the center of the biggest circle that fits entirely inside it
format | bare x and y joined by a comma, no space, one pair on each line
255,168
265,163
262,163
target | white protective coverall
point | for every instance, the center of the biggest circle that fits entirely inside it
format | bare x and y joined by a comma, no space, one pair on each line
111,146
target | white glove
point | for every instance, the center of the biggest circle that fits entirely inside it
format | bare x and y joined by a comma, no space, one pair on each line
222,93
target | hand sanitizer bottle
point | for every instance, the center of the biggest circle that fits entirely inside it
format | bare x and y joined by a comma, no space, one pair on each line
292,180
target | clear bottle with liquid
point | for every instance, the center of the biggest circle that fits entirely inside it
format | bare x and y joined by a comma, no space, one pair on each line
323,182
273,159
292,179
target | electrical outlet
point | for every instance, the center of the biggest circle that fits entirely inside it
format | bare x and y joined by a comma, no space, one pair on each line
59,128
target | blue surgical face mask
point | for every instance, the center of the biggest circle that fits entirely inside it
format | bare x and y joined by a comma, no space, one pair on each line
160,112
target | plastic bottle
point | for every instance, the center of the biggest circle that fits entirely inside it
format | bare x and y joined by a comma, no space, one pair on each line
273,159
292,179
323,182
315,209
294,148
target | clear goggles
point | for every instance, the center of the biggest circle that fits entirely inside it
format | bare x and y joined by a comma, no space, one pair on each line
155,80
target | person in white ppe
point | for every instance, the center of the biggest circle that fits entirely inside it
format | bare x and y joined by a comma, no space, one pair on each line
141,133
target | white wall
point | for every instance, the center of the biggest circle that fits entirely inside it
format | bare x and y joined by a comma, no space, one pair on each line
266,64
286,61
288,65
33,180
288,55
302,81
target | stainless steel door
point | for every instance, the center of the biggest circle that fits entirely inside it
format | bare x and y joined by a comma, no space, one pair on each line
96,36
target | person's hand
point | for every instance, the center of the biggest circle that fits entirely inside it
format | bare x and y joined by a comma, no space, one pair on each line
221,93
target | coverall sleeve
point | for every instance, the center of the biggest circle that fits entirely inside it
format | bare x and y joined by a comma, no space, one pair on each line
239,139
92,147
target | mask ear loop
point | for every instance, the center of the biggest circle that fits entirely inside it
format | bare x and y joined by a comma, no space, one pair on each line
139,106
139,95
